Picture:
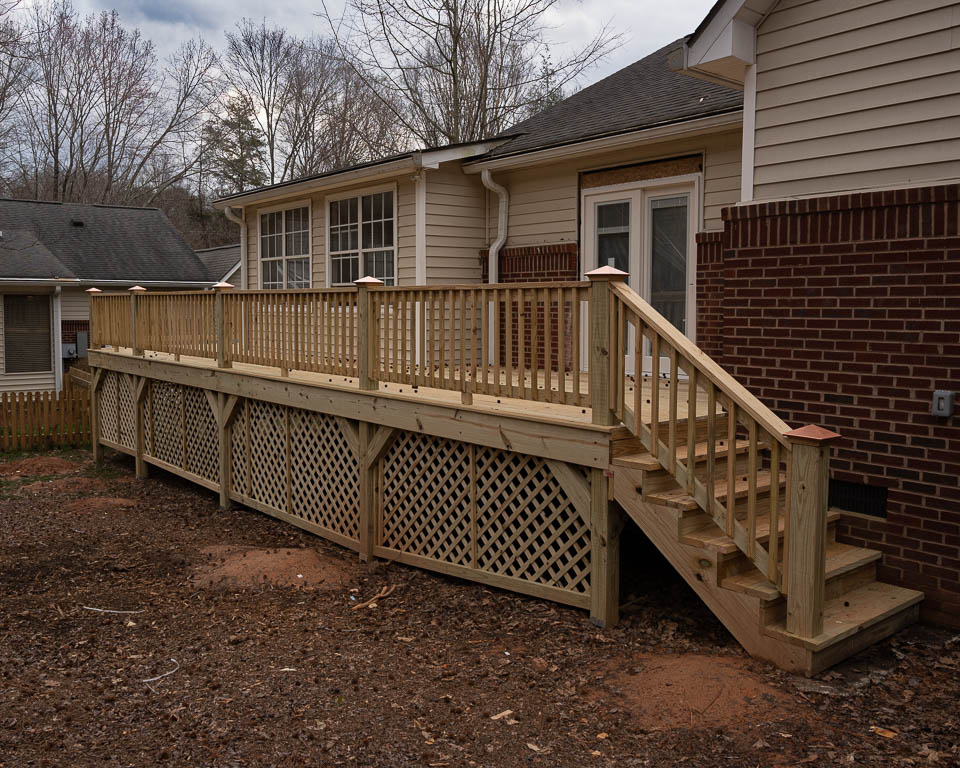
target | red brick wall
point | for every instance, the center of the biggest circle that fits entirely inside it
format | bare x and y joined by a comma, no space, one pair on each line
710,292
845,311
70,328
535,263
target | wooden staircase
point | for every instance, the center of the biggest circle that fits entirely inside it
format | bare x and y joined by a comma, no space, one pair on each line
858,610
732,496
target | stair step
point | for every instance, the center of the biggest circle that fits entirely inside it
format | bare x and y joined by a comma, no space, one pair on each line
852,613
841,559
680,499
644,459
714,539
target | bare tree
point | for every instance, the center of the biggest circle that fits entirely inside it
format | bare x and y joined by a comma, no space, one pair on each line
458,70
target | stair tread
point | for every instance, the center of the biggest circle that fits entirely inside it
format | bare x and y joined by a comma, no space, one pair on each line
714,539
678,497
841,558
853,612
644,459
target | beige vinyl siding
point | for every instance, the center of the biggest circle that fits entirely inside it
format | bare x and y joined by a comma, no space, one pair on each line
854,95
406,260
22,382
455,223
545,202
74,305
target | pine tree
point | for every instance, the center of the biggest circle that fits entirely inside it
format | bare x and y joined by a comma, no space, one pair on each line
236,148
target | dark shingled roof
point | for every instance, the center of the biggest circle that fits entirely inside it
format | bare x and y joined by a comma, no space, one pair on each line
93,242
643,95
220,261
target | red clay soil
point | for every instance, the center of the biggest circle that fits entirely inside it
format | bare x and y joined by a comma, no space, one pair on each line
166,631
37,466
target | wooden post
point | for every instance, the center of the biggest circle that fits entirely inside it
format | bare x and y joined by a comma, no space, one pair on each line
95,379
605,528
135,347
371,443
139,390
220,323
806,550
367,335
91,293
225,411
601,345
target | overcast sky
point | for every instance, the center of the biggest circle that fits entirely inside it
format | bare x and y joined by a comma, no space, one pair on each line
647,24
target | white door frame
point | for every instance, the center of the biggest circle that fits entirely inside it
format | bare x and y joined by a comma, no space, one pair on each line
640,193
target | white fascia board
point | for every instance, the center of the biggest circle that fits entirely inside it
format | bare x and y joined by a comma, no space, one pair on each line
433,158
726,47
703,125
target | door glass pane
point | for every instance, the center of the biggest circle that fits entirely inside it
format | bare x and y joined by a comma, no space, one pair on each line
613,235
668,251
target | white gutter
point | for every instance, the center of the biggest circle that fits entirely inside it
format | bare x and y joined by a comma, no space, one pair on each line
493,270
242,221
39,281
702,125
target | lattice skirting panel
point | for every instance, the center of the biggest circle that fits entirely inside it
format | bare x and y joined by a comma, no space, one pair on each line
482,513
117,413
297,465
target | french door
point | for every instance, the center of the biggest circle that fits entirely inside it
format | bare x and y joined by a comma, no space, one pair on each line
647,230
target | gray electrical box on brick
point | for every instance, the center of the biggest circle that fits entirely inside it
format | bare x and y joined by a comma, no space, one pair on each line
942,403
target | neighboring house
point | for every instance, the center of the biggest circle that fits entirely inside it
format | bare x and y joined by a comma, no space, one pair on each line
782,185
222,263
50,253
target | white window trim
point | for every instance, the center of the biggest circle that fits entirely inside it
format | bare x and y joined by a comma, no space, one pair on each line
358,193
307,203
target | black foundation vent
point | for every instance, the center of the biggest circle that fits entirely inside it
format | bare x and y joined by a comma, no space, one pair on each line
857,497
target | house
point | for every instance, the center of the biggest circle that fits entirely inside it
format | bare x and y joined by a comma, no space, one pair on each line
782,185
222,262
50,253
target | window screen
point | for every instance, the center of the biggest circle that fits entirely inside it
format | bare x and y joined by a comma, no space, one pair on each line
26,334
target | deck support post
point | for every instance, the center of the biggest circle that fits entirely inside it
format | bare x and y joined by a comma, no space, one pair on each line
139,387
225,410
134,341
806,548
601,342
95,379
367,491
367,335
605,528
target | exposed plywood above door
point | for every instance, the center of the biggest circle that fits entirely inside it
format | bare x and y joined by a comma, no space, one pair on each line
660,169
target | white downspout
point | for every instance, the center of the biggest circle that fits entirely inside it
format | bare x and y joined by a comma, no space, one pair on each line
242,221
493,269
57,341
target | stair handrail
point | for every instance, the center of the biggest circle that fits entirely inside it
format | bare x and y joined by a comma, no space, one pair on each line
803,452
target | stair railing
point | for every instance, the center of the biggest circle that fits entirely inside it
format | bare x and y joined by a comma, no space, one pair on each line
717,410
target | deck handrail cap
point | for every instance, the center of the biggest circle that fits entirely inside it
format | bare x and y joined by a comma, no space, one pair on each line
607,273
93,290
139,289
368,281
223,286
811,433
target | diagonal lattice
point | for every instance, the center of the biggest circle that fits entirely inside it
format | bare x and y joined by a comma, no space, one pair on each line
126,414
107,405
268,443
166,422
324,474
526,526
426,504
203,447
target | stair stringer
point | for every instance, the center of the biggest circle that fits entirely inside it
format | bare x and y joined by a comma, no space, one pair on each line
739,613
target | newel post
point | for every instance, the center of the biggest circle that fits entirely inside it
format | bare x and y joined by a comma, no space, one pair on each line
367,335
601,341
134,343
806,550
91,326
220,323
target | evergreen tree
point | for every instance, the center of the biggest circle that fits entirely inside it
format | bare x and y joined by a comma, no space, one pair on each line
235,147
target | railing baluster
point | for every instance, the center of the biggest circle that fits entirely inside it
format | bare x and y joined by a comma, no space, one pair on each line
674,397
638,376
731,465
654,394
711,447
752,490
774,542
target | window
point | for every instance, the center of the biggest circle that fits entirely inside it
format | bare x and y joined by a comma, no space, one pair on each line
362,238
285,248
26,334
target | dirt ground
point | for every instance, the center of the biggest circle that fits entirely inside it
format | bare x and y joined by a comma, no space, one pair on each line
142,625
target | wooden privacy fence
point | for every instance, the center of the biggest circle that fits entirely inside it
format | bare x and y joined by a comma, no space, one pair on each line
42,420
504,340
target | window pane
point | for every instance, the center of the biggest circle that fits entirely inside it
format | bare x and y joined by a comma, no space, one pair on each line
668,279
273,274
613,215
613,235
379,264
298,273
26,334
297,231
388,233
271,235
344,268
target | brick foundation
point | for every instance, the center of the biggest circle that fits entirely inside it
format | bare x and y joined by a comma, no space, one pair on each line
70,328
844,311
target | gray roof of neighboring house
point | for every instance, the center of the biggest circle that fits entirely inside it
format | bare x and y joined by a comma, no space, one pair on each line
220,261
93,242
644,94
